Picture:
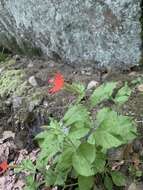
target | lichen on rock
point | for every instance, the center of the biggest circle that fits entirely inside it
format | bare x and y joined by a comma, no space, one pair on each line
103,32
10,82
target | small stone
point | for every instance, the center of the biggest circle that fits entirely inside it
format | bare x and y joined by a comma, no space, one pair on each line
16,101
30,65
34,103
132,187
45,104
7,135
138,186
54,188
16,57
11,173
92,84
140,88
86,71
8,102
133,73
1,70
51,64
82,72
33,81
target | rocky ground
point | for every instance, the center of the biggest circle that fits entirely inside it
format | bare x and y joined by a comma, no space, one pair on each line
26,105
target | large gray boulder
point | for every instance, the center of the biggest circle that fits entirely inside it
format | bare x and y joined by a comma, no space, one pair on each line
105,32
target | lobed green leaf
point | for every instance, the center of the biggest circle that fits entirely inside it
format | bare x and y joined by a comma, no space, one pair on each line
103,92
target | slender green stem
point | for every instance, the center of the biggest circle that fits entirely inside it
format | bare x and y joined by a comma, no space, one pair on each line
70,185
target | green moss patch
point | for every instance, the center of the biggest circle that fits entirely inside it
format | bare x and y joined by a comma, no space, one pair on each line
11,81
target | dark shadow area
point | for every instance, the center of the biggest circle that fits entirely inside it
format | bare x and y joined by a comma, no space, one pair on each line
5,50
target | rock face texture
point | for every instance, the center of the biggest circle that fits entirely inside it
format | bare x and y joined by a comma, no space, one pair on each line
104,32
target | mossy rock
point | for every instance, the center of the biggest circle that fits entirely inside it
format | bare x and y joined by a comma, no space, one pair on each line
12,82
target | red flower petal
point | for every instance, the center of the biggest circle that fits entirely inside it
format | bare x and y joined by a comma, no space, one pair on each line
3,167
58,83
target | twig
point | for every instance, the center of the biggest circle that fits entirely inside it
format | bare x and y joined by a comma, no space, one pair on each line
70,185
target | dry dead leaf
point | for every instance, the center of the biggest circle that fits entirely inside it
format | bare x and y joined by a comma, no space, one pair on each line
127,151
6,149
117,165
136,161
19,185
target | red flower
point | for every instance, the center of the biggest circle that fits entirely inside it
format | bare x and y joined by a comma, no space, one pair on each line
58,83
3,167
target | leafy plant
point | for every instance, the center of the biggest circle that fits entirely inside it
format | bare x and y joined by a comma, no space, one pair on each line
3,56
137,80
103,92
118,178
123,94
135,172
75,148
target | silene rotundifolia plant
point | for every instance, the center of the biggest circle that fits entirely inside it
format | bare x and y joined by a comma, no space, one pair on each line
73,151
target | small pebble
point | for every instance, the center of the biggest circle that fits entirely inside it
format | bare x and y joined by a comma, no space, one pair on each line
8,102
140,88
8,134
16,57
16,101
1,70
33,81
30,65
45,104
92,84
133,73
134,186
82,72
51,64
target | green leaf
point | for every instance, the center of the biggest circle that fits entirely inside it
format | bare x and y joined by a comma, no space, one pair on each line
61,177
49,148
26,165
31,184
53,133
82,166
78,89
103,92
76,114
123,94
139,173
108,183
85,183
118,178
51,142
137,81
42,135
46,154
78,131
119,126
106,140
83,158
42,160
65,160
50,177
102,115
113,130
99,163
